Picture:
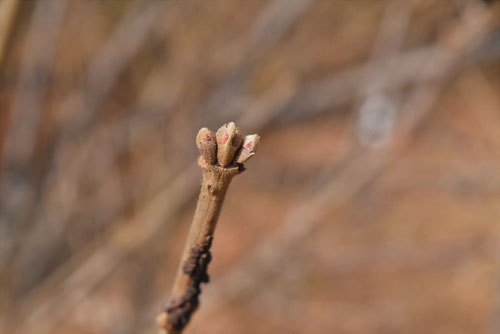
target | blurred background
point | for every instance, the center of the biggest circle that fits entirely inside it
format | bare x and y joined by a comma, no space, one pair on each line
372,205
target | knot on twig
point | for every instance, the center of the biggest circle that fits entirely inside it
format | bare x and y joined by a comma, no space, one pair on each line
180,309
227,147
197,263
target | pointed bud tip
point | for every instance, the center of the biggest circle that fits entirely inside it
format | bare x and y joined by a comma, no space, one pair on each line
229,141
226,133
248,148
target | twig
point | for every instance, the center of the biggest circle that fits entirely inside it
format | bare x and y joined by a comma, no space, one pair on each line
81,273
229,149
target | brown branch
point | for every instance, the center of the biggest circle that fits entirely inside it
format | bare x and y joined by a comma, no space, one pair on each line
222,157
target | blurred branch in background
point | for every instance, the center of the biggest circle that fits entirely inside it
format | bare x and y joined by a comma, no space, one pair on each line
377,111
269,27
247,278
8,10
71,156
77,109
27,109
18,186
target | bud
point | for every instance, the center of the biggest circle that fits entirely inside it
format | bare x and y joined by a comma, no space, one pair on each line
250,145
229,141
206,143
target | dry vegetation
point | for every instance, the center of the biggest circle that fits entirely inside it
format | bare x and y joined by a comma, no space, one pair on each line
372,206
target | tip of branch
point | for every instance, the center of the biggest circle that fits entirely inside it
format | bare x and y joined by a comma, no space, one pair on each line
206,143
226,133
229,141
227,146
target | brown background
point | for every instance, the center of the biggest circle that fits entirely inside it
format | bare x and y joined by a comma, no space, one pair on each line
372,205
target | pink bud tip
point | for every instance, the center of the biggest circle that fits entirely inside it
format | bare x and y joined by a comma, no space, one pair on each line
248,148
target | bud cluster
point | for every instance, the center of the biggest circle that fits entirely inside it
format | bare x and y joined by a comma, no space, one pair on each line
226,147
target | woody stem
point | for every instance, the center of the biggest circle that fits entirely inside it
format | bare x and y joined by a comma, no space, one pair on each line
196,256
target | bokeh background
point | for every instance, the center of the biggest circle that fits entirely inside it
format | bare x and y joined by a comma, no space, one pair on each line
373,205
